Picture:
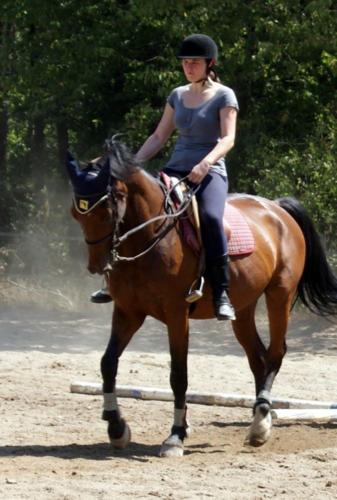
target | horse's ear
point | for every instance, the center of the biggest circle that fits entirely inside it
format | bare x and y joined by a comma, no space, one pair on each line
72,167
104,173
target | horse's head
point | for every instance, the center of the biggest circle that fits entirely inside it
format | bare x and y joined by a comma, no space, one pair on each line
99,204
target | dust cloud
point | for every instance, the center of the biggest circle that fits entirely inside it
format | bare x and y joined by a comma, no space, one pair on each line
44,265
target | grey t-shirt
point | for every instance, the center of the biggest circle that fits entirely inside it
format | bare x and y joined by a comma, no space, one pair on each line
199,128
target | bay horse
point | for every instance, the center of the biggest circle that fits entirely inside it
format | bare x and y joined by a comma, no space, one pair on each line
130,237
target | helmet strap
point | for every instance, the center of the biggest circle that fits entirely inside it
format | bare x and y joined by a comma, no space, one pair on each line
210,64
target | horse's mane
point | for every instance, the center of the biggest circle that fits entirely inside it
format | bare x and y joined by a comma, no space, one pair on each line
122,162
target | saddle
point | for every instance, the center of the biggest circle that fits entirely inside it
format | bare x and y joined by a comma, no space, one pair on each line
238,233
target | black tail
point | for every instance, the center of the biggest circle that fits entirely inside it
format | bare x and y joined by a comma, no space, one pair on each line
317,288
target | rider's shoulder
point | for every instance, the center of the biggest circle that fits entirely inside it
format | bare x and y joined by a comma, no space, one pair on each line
221,88
176,95
180,90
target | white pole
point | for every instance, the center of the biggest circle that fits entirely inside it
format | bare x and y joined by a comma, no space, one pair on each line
305,414
217,399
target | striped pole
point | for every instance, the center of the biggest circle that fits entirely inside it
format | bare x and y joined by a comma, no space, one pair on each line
216,399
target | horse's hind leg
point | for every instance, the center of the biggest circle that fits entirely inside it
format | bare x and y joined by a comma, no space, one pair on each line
178,330
246,333
278,300
123,327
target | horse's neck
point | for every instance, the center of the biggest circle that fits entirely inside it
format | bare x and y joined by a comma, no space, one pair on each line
145,199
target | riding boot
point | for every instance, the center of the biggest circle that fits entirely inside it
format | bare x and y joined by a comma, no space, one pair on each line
217,271
102,296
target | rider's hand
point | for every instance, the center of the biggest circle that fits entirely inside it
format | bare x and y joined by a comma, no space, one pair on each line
199,171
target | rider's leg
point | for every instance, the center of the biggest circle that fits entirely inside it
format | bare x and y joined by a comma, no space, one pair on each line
211,201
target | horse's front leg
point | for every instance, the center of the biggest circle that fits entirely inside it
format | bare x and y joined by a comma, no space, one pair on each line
178,330
123,327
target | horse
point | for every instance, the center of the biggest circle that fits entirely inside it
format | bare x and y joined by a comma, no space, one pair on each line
133,239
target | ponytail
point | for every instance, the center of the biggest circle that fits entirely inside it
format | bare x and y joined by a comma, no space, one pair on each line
211,72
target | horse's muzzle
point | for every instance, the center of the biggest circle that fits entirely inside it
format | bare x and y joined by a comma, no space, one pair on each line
98,268
94,270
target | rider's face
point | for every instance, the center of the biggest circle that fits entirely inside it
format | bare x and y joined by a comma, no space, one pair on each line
194,69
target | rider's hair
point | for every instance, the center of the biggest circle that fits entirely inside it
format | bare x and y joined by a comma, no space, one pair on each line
211,71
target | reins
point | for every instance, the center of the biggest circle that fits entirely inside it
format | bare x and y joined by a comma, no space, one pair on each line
118,240
116,257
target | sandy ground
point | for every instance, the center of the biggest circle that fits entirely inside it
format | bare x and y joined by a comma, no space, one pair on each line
54,445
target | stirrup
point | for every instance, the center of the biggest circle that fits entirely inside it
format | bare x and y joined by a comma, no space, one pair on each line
196,290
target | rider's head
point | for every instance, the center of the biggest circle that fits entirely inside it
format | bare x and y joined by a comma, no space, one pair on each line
199,46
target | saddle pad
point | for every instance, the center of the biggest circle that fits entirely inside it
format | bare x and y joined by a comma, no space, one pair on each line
241,239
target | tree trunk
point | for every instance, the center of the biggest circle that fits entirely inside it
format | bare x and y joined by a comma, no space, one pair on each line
38,153
62,146
3,140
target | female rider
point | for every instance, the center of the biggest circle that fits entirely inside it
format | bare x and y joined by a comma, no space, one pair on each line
204,111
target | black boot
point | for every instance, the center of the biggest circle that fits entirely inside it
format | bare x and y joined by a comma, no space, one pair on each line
102,296
217,271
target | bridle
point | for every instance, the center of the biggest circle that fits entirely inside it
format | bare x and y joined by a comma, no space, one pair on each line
82,211
112,195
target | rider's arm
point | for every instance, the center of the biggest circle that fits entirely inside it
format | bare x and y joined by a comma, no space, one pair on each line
228,128
157,140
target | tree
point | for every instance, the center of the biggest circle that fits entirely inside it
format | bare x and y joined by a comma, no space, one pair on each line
74,72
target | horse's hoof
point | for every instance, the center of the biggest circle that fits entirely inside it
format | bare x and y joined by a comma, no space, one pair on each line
188,430
122,441
260,429
256,441
172,447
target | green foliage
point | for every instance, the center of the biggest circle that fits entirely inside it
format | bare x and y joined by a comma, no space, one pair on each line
91,68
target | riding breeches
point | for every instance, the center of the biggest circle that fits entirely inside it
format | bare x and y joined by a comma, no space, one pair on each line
211,198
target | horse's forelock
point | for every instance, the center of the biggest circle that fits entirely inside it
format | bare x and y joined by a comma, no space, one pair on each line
122,161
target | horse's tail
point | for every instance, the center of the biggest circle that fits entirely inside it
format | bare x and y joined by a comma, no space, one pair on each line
317,288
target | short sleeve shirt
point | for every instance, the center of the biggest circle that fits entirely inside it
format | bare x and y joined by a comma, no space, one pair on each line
199,128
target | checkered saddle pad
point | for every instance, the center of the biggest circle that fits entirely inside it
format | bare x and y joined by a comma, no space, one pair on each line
239,235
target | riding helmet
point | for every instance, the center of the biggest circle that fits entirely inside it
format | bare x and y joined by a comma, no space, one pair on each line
198,46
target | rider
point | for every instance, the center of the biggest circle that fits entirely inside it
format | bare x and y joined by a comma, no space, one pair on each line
204,111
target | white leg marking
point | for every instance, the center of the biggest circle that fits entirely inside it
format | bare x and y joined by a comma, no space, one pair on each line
260,429
179,417
172,447
110,401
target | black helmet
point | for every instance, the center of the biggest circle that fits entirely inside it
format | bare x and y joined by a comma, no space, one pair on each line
198,47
